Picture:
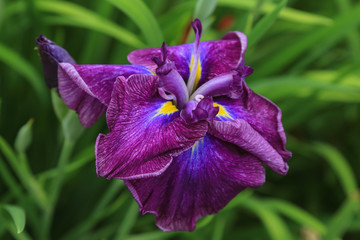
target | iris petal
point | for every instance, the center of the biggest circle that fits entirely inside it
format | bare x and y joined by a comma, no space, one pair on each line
199,182
87,88
262,114
51,55
216,57
141,142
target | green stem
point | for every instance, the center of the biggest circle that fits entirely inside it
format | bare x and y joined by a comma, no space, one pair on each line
24,174
56,187
18,193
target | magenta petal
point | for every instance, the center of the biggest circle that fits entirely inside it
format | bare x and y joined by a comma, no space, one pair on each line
241,133
262,114
142,140
87,88
180,55
216,57
199,182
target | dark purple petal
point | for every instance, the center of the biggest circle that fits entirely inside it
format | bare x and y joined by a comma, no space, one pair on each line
51,55
180,55
87,88
242,134
199,182
195,111
216,57
262,114
144,135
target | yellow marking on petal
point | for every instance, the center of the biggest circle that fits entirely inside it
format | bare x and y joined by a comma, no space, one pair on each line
167,108
222,111
152,72
195,146
198,71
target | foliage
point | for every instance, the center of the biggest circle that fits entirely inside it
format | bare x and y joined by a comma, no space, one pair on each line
306,57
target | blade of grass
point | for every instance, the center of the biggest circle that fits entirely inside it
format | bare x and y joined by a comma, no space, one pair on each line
204,8
17,192
79,161
56,188
138,12
275,226
353,36
97,213
340,166
75,15
297,214
297,86
342,25
287,14
219,229
91,51
128,221
264,24
25,177
25,69
342,219
156,235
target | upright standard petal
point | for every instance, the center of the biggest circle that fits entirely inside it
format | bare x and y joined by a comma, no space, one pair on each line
87,88
146,131
199,182
216,57
262,114
51,55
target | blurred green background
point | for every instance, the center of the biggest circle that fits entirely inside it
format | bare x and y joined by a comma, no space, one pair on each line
306,58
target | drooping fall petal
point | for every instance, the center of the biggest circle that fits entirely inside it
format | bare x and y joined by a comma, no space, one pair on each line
87,88
146,131
199,182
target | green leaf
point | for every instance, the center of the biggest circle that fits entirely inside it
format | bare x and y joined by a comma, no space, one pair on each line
342,219
59,106
156,235
287,14
128,221
138,12
342,25
264,24
24,137
297,214
24,68
72,127
301,86
75,15
340,166
18,216
204,8
273,223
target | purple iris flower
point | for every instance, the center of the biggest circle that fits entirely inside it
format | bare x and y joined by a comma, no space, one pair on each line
186,133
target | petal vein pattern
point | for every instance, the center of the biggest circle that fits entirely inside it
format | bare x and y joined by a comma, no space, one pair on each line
139,144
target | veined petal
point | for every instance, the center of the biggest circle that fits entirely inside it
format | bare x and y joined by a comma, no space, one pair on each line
241,133
145,133
262,114
216,57
199,182
87,88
